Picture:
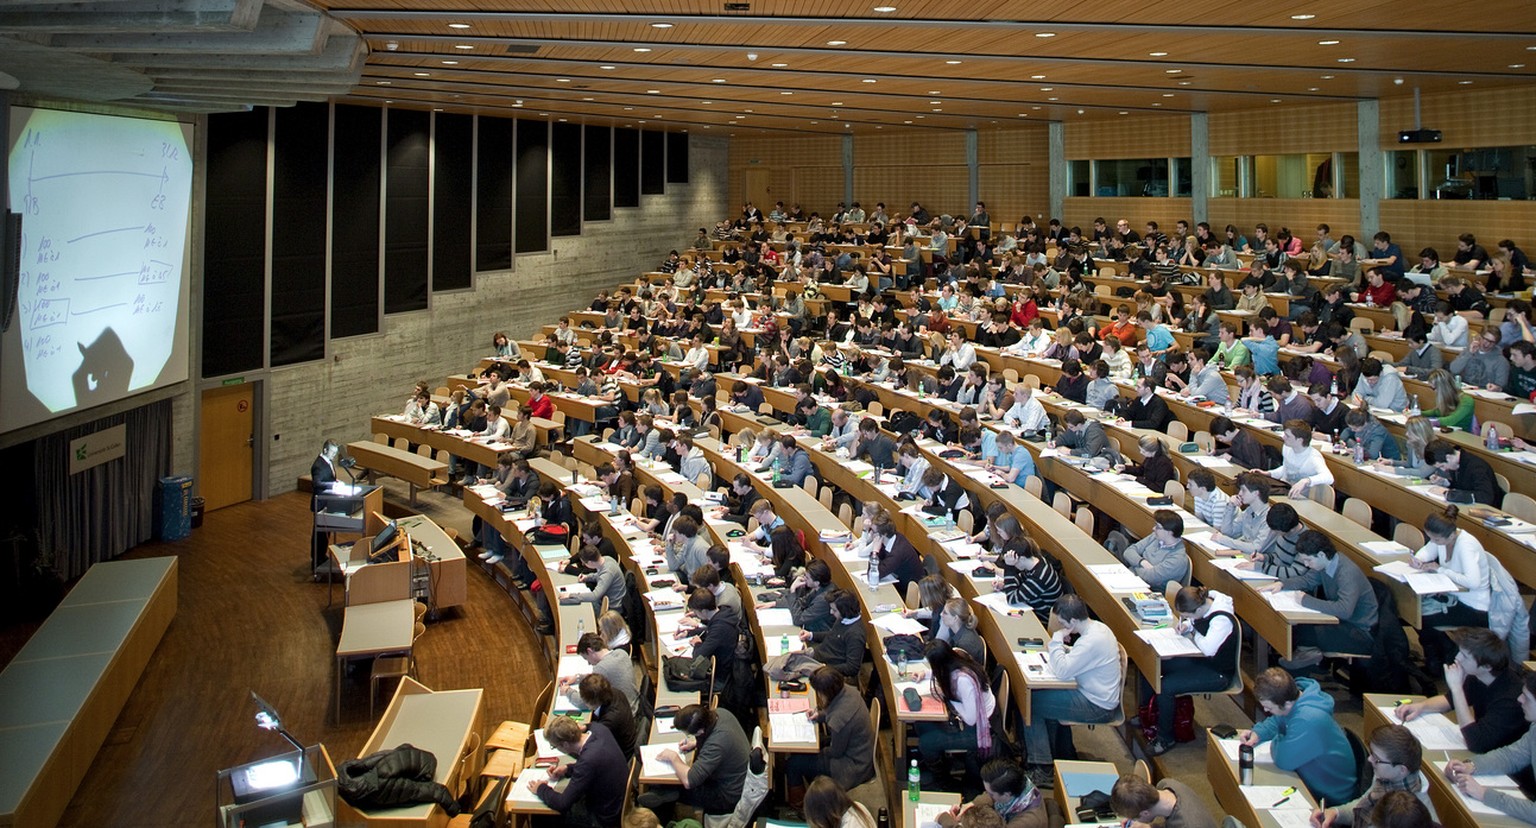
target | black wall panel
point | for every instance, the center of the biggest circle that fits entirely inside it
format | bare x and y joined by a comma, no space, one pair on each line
565,180
452,181
626,167
653,162
405,211
677,158
493,183
234,257
355,221
597,166
299,152
531,202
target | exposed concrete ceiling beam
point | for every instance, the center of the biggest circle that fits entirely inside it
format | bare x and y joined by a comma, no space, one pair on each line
339,53
132,16
276,33
280,99
259,85
263,76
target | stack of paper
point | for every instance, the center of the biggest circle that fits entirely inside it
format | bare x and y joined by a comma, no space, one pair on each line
791,727
1434,730
1168,643
1036,666
518,793
897,625
773,646
1116,578
775,617
926,814
1234,567
653,767
1284,602
1263,754
1276,797
1499,781
996,601
1423,583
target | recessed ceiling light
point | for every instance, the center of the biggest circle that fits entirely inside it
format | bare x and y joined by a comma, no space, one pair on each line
739,117
423,74
1053,99
465,46
717,80
382,83
919,117
1047,88
517,105
786,93
1157,54
629,109
1327,77
1274,100
1185,83
458,25
934,92
1327,43
1123,112
562,80
439,109
661,25
869,80
519,102
1023,115
1465,83
906,122
815,122
837,103
589,99
746,110
1045,34
1157,104
1530,48
848,126
641,49
1167,94
1346,60
1172,71
1037,77
934,102
1311,89
653,91
562,120
1303,16
1036,108
1517,66
606,66
938,110
389,102
954,62
706,103
780,65
543,114
885,9
837,43
450,63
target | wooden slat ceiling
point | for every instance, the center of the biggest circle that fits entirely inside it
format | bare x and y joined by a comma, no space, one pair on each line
839,66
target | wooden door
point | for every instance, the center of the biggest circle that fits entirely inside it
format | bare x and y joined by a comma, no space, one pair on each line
759,188
228,444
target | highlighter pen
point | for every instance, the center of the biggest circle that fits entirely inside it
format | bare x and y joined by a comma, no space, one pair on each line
1285,797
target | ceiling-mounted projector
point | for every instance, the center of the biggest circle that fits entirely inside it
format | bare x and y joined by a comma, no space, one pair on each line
1419,136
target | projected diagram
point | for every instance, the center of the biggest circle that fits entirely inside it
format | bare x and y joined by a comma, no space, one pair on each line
104,204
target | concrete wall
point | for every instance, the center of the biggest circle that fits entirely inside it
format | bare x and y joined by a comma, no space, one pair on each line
368,375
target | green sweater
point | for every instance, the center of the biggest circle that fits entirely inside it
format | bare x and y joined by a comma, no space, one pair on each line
1460,418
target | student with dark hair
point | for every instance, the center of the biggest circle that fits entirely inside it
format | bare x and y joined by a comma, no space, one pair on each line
810,597
1206,618
1334,585
897,556
1093,661
717,639
1027,579
1482,688
1008,793
960,681
1159,558
610,710
1400,809
713,780
1516,758
848,748
599,778
1396,759
1306,738
1460,556
841,646
1460,476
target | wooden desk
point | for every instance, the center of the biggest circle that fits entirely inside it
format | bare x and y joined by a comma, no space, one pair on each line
909,808
62,693
371,630
1076,779
418,471
445,561
446,723
1450,806
1222,771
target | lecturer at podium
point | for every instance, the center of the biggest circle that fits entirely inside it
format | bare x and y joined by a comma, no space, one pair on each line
322,473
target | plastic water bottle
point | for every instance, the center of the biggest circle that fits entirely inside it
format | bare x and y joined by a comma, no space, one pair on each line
1413,406
1359,452
777,476
872,573
581,627
784,643
613,505
914,782
1493,438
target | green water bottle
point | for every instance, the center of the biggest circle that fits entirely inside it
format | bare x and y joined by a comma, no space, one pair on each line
914,782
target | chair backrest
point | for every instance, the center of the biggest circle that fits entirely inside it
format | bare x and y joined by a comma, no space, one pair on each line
424,450
1502,481
874,729
1032,380
381,438
1205,441
826,497
633,789
1408,535
1084,519
1063,504
966,521
1521,506
1175,490
1385,356
1178,431
1358,511
542,701
845,514
1140,769
1321,494
1363,324
402,444
1365,769
1034,486
875,409
1011,375
914,597
1496,315
810,484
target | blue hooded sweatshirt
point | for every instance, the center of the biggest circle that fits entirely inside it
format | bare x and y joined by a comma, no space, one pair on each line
1308,741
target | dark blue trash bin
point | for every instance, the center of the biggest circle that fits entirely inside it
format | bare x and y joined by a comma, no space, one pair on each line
174,515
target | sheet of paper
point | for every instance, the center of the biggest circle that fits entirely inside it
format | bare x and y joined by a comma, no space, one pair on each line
791,727
898,625
926,814
1434,730
1283,602
1263,754
1265,797
1385,548
794,704
773,646
1487,780
518,793
650,765
1168,643
994,601
1036,666
963,549
572,666
775,617
1231,567
1289,817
